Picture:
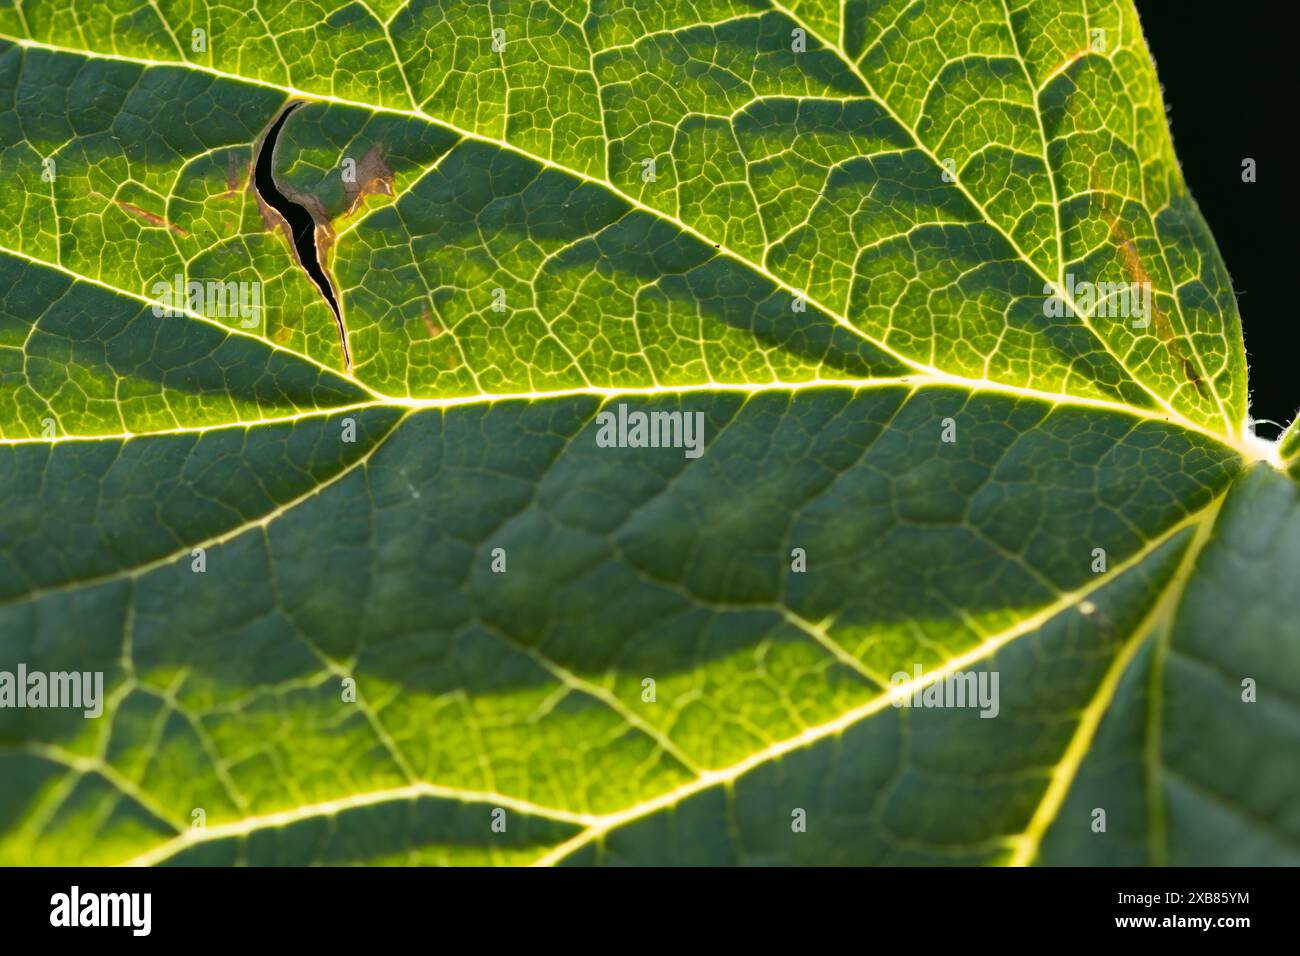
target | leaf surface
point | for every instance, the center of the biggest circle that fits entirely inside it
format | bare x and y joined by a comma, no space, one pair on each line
838,233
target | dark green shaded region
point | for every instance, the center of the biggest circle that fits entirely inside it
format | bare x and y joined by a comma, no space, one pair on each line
914,785
79,512
1187,770
1229,769
1112,778
77,359
629,543
83,632
623,563
408,832
163,111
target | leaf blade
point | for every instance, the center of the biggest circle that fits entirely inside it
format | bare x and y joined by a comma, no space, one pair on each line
798,270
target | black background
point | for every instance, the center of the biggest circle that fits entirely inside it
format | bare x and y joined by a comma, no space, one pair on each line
1228,70
325,911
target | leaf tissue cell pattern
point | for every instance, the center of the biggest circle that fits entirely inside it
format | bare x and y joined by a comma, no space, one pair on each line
413,608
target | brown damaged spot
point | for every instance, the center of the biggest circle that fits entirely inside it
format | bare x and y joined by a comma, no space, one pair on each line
152,218
1074,58
237,177
1137,273
373,178
272,220
325,234
435,330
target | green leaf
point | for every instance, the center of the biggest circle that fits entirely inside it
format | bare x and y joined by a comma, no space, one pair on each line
412,608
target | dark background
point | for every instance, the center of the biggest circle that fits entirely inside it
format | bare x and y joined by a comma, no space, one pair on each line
1224,67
